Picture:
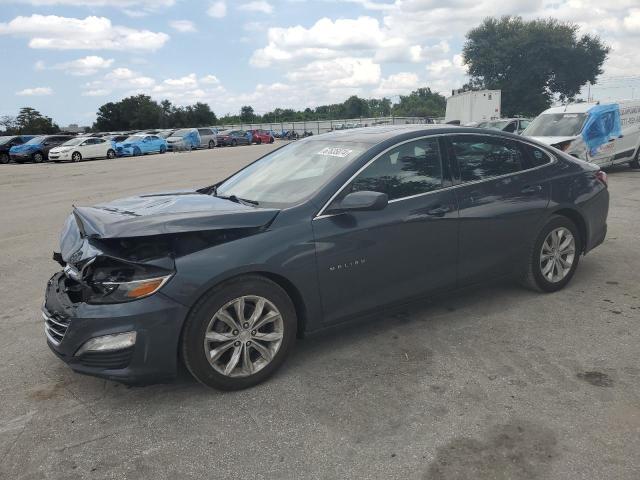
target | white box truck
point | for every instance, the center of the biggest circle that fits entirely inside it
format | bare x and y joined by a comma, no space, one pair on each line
473,106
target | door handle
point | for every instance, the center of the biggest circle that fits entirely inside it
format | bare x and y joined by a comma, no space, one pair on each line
532,189
439,211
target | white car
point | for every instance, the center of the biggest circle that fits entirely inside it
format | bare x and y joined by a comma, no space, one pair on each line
605,134
81,148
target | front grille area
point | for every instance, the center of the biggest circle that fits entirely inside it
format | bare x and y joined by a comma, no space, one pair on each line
107,360
55,326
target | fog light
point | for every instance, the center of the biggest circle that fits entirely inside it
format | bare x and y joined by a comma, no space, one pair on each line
108,343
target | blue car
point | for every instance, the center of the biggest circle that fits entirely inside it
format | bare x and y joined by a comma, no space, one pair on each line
141,144
37,149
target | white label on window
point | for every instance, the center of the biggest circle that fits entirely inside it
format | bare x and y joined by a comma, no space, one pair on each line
335,152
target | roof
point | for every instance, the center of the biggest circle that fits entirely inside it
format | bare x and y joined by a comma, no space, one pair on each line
380,133
583,107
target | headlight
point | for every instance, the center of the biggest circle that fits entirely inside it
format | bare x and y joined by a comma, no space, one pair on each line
113,281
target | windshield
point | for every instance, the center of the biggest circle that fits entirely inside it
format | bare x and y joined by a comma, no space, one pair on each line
181,133
292,173
556,125
75,141
35,140
498,125
165,133
134,138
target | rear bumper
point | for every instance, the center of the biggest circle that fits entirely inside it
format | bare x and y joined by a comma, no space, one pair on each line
157,321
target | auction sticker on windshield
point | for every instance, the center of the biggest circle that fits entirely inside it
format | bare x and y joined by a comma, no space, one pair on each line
335,152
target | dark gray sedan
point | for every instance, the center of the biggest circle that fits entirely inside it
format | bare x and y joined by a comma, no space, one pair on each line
320,231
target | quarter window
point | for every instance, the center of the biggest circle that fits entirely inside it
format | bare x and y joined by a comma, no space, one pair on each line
409,169
537,156
481,157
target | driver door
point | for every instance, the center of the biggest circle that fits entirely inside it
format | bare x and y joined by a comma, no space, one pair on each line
371,258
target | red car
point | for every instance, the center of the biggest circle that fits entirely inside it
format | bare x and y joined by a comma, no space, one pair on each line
261,136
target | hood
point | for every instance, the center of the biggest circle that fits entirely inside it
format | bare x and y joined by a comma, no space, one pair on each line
61,148
159,214
553,140
175,139
24,147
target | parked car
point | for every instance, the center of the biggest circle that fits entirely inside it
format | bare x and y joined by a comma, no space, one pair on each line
510,125
8,141
141,144
325,229
83,148
207,137
233,138
37,149
605,134
184,139
261,136
166,133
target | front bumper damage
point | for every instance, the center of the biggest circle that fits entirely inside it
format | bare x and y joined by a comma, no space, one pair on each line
156,321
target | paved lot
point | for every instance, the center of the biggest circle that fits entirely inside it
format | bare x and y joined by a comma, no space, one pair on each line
496,383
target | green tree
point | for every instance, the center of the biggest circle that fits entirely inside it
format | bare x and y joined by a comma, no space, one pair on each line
246,114
31,121
531,61
355,106
421,103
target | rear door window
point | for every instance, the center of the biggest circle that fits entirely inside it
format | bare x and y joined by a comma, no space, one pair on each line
481,157
535,156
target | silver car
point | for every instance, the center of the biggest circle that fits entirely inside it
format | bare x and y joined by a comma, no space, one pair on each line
207,138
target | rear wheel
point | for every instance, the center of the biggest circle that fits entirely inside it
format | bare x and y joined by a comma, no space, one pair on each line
234,142
259,142
163,149
4,158
239,334
137,152
76,157
212,144
38,157
554,257
111,154
635,163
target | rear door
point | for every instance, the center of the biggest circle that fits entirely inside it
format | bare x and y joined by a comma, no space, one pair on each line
501,198
371,258
99,147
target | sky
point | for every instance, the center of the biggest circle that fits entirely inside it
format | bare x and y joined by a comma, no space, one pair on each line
68,57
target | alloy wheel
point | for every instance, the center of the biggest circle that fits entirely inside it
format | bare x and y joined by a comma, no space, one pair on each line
76,157
557,254
38,157
243,336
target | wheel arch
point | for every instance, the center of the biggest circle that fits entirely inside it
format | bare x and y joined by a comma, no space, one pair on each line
577,218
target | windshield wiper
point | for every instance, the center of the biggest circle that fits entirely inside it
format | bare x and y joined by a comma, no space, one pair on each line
236,199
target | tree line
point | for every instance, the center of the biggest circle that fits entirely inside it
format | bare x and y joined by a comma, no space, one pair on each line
534,63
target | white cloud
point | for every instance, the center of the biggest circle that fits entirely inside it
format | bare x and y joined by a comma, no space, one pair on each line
85,66
98,92
337,73
146,4
35,91
209,80
91,33
217,9
397,84
257,6
184,26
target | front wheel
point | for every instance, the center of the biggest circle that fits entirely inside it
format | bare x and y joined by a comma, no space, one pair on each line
239,334
555,255
163,149
38,157
111,154
76,157
4,158
137,152
212,144
259,142
234,143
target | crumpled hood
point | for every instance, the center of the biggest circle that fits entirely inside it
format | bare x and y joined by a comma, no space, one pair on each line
553,140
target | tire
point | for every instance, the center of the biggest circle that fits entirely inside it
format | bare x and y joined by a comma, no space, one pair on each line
4,158
163,149
270,139
541,279
111,154
37,157
234,142
195,349
137,152
259,142
635,163
76,157
211,144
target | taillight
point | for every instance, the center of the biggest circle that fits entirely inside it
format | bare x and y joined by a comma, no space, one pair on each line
602,177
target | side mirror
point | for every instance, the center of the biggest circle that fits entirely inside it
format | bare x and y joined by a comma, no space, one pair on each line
364,200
